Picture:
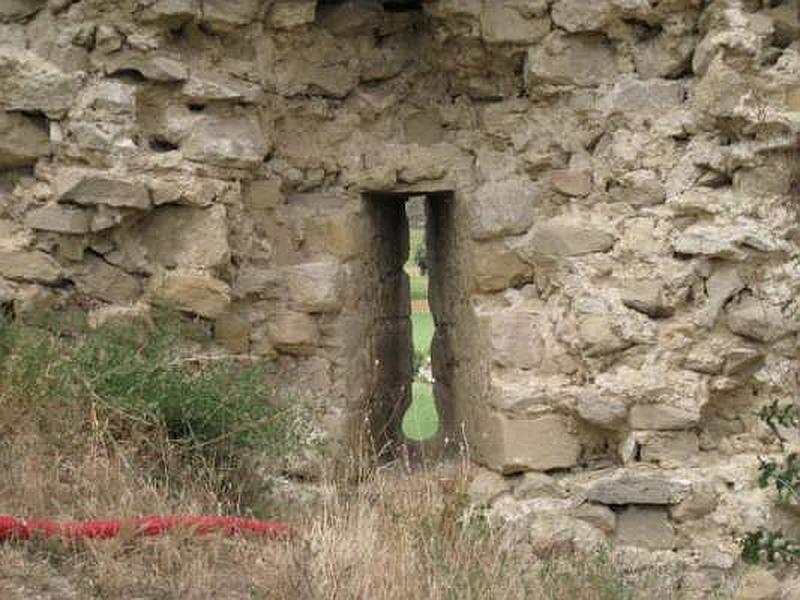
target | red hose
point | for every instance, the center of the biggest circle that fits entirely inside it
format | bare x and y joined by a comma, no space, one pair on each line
11,528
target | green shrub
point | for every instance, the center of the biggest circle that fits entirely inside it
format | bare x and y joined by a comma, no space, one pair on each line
136,378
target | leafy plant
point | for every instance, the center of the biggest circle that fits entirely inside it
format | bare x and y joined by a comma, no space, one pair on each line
784,475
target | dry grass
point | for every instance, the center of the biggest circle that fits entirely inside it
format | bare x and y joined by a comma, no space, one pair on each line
394,534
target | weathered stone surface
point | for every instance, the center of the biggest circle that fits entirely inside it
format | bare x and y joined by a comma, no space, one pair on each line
598,335
632,487
537,485
155,67
315,287
541,444
564,236
597,515
60,219
29,265
758,584
755,319
233,333
11,10
668,448
89,188
172,13
486,486
645,98
496,267
212,86
702,501
28,83
647,296
98,279
502,208
193,292
639,188
516,339
227,142
504,24
554,535
645,527
182,236
293,332
728,242
658,399
572,183
582,60
607,412
23,140
575,15
287,14
228,14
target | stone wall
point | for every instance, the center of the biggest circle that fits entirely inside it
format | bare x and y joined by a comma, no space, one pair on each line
619,254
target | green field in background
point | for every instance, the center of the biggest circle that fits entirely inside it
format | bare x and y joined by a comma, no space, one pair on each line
422,330
419,282
421,420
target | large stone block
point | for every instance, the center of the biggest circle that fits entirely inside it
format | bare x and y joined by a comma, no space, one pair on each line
180,236
11,10
582,60
645,527
758,320
227,142
225,15
632,487
29,83
577,15
97,279
504,24
29,265
496,267
502,208
60,218
516,340
98,188
564,236
658,398
512,445
287,14
23,140
193,292
293,332
315,287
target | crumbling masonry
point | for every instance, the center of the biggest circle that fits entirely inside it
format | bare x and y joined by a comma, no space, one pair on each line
613,203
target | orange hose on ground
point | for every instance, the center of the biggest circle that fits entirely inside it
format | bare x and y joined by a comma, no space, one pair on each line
11,528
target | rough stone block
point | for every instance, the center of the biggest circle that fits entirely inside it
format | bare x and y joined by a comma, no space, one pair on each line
29,83
581,59
181,236
758,584
554,535
172,13
646,296
23,140
578,15
233,333
515,339
571,183
539,444
11,10
606,412
293,333
98,279
226,15
288,14
564,236
758,320
29,265
193,292
645,527
90,188
227,142
503,24
315,287
60,219
502,208
631,487
496,267
668,448
598,336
